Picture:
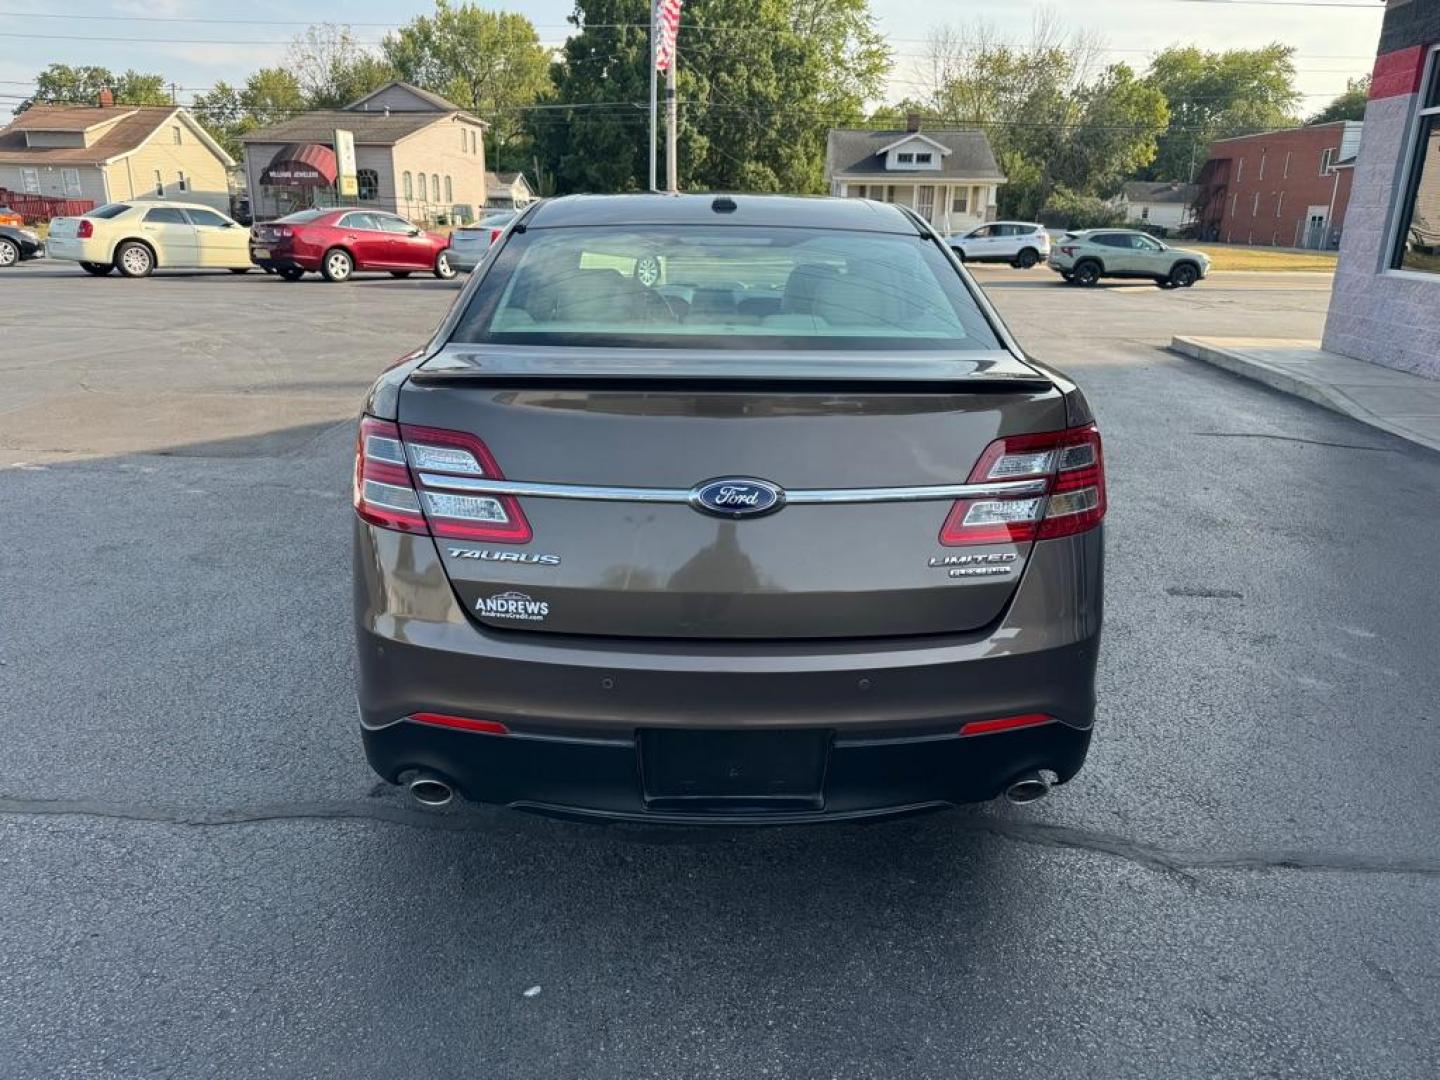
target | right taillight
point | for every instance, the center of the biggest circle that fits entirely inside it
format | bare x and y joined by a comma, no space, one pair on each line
1073,465
391,465
85,229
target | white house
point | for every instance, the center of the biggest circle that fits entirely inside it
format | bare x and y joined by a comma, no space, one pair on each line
949,176
1169,206
107,152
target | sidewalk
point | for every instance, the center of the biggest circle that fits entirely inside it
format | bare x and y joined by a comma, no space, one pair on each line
1395,401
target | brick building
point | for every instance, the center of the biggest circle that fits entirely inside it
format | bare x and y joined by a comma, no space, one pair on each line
1385,306
1286,188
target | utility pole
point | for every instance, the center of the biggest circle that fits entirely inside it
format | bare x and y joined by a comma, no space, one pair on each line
671,124
654,59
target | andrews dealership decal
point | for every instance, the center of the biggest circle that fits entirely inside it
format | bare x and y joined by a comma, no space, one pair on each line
513,605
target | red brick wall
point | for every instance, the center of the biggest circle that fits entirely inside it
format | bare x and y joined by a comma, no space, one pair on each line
1233,208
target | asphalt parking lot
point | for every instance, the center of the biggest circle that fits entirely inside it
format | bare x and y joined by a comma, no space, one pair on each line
201,877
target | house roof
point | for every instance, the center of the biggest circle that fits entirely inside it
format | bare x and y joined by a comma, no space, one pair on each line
130,127
504,179
434,100
1148,191
860,152
369,128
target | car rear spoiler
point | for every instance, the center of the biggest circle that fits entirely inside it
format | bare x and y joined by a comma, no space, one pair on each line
634,369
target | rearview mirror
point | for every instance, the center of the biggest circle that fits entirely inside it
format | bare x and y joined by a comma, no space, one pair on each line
414,230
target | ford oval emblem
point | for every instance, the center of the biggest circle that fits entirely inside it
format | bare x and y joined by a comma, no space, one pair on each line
737,497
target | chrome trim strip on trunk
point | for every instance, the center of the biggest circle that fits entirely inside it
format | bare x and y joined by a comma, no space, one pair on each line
815,496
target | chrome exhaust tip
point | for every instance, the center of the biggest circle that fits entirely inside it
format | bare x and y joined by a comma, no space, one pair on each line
1030,787
430,791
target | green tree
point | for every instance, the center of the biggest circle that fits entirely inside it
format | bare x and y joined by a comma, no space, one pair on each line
269,95
759,81
64,84
487,62
1054,116
333,69
1348,106
1213,95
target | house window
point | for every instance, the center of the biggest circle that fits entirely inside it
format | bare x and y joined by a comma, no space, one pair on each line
71,179
409,187
960,203
1144,213
449,191
159,183
905,159
435,186
424,189
1327,161
924,159
464,140
367,181
184,184
175,134
1417,246
32,181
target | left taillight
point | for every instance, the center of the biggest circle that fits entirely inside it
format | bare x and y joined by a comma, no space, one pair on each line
413,479
85,230
1073,464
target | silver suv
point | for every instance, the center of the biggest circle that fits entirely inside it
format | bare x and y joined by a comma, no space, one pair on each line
1087,256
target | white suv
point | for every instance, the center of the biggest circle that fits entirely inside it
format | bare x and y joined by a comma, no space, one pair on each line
1022,244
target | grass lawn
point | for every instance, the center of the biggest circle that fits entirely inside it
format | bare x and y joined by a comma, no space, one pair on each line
1226,257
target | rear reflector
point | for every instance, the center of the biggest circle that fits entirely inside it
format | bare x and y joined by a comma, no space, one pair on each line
1007,723
461,723
387,493
1073,463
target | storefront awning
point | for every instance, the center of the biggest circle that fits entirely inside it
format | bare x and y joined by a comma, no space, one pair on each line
301,165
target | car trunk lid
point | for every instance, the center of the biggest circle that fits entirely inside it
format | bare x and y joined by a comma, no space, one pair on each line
856,447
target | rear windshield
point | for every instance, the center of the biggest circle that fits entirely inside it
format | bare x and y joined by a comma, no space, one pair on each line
109,210
302,216
723,287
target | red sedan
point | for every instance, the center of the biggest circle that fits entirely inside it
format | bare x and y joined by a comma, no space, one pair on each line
336,243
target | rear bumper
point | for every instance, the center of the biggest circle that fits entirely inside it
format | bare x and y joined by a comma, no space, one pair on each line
465,257
77,250
602,779
893,707
279,259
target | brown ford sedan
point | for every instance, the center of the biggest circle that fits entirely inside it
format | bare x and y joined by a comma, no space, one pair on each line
719,509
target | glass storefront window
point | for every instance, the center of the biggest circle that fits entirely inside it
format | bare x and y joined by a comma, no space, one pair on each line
1418,244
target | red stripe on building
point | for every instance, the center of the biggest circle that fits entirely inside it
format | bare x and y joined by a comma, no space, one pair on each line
1398,72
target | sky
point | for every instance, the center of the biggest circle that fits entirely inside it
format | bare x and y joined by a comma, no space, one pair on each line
1336,38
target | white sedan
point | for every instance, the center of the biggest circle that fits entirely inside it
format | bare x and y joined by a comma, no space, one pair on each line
137,237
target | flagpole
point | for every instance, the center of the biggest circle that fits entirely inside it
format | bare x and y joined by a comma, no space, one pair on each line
654,111
672,122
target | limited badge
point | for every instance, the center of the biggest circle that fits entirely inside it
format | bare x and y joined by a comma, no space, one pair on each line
513,605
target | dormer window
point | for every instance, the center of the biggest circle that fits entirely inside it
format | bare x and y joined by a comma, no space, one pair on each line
906,159
921,159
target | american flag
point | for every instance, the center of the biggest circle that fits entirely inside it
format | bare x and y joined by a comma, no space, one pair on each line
667,18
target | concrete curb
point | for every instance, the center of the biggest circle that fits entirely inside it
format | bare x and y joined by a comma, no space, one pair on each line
1245,363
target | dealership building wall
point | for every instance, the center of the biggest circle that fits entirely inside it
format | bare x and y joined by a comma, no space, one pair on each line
1385,306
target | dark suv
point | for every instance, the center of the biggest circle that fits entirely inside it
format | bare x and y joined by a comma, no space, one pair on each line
726,509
